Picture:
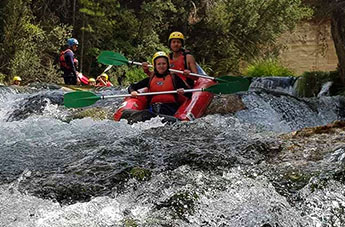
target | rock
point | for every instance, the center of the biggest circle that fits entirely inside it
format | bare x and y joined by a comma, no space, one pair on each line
224,104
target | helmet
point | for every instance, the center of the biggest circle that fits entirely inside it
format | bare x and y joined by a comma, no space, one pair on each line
105,75
17,78
176,35
92,79
72,41
158,55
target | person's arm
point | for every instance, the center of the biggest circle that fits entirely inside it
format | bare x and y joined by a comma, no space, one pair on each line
191,63
69,58
141,84
145,66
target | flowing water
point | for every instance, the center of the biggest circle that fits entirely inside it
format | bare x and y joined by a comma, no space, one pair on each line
57,170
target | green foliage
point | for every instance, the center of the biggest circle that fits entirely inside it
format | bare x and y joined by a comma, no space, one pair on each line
267,67
131,74
241,30
309,84
2,77
221,33
29,48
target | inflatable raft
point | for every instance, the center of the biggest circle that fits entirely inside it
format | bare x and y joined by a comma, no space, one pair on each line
191,109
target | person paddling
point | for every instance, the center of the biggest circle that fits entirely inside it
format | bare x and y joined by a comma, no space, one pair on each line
179,59
103,81
17,80
68,63
162,80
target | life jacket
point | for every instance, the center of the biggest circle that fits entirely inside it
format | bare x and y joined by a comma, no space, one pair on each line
166,83
63,64
180,63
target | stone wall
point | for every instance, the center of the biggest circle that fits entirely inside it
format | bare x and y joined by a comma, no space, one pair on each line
309,48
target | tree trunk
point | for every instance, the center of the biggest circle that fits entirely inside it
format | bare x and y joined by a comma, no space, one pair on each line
338,34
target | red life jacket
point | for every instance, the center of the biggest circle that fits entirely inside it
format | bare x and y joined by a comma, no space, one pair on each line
166,83
62,60
180,63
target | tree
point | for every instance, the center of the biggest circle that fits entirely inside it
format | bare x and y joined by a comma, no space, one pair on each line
335,11
28,49
220,33
239,30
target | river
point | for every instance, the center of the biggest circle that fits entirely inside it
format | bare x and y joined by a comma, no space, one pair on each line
58,170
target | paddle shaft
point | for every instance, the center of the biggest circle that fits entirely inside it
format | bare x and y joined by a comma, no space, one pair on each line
176,71
151,93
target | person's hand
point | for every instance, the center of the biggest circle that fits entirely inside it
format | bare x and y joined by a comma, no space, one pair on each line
100,80
180,91
186,72
134,94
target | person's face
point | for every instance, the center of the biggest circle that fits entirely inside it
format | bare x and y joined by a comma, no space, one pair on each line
16,82
175,45
161,65
92,83
75,47
104,78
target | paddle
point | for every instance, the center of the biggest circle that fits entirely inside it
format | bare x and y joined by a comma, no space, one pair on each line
117,59
87,98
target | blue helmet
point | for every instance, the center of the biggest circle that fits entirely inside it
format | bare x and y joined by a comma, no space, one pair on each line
72,41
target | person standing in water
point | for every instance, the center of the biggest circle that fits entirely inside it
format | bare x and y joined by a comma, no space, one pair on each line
68,63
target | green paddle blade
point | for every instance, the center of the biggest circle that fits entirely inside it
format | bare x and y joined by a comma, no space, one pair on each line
80,99
229,88
112,58
226,79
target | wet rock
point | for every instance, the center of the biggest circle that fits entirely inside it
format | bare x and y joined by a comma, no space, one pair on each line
225,104
129,223
181,204
141,174
35,104
96,113
312,155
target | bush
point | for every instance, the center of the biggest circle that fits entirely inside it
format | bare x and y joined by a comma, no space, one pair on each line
2,77
309,84
127,75
267,67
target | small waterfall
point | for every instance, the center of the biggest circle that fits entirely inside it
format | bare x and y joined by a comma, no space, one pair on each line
276,84
325,89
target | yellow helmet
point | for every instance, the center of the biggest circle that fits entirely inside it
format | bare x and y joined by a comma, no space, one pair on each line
105,75
17,78
158,55
92,79
176,35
